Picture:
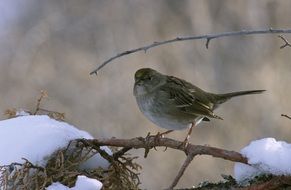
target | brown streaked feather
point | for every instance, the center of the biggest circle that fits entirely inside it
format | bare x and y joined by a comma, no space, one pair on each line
190,99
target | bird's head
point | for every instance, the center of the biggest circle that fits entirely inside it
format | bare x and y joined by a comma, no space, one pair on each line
146,80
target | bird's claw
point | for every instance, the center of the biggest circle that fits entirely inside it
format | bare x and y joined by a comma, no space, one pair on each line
184,144
157,138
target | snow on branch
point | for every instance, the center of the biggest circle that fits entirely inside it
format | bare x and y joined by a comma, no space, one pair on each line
207,37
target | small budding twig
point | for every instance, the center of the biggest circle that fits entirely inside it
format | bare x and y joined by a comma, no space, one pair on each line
43,94
39,110
287,116
208,38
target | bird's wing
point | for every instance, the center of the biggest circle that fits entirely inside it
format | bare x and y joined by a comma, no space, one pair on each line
188,98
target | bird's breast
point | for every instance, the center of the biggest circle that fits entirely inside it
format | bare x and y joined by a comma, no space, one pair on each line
159,113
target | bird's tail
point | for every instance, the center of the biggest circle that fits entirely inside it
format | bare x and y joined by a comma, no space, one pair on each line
221,98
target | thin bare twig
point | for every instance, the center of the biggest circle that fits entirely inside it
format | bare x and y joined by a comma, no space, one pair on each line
287,116
182,170
208,37
151,142
287,44
43,94
121,152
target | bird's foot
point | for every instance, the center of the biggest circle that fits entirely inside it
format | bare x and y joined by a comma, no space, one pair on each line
185,143
158,137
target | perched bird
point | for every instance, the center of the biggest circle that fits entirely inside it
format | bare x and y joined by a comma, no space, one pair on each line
175,104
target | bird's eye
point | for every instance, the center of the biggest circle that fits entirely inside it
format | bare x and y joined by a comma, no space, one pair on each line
150,78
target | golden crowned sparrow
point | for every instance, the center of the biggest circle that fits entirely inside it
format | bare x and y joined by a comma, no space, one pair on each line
176,104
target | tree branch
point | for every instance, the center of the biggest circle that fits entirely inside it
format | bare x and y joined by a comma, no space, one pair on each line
275,183
182,170
208,37
287,116
286,43
150,142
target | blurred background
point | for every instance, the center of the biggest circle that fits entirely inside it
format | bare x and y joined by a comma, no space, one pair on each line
54,44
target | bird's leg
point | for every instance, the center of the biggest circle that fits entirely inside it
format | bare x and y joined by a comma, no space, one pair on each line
186,141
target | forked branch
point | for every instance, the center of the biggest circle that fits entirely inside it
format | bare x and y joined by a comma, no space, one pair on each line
207,37
286,42
151,142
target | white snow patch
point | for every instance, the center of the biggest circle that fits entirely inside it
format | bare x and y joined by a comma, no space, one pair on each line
96,161
37,137
22,112
267,156
57,186
82,182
